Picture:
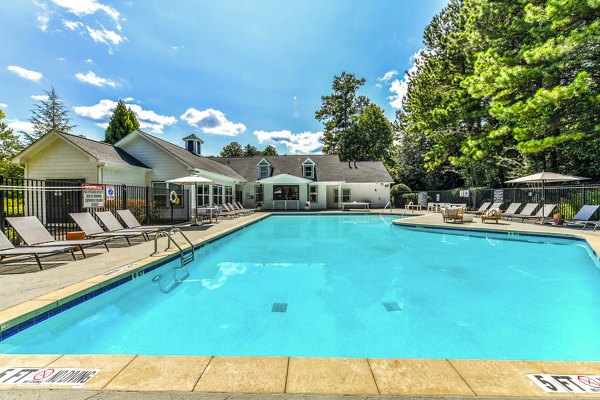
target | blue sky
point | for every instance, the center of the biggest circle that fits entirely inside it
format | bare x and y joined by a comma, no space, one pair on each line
251,71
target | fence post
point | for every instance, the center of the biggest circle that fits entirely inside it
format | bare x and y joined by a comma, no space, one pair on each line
2,215
147,206
124,197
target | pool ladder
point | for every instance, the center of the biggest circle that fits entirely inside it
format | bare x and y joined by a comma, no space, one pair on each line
185,258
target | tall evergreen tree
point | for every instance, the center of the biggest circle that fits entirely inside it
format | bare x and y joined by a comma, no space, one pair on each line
339,109
233,149
270,150
10,145
250,151
49,113
122,122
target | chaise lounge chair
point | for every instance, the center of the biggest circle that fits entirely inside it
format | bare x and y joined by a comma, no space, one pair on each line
583,216
512,208
527,211
88,224
131,222
543,213
241,207
236,208
34,233
481,209
8,249
112,224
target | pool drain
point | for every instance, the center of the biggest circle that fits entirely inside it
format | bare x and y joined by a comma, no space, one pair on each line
279,307
392,306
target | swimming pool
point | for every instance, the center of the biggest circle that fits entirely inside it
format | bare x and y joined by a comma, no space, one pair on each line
348,286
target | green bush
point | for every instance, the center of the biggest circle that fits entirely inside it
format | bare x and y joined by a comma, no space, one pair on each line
407,198
396,193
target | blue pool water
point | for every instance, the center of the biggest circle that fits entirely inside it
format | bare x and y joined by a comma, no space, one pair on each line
354,286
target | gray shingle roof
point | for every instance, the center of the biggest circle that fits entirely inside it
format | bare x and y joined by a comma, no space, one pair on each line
192,160
102,151
327,168
193,137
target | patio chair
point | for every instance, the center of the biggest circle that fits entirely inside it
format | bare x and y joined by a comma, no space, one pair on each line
92,229
8,249
493,214
543,213
481,209
223,212
527,211
131,222
512,208
112,224
239,209
241,206
33,233
583,216
452,214
229,209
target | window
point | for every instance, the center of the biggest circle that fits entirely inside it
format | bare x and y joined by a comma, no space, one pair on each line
313,194
228,194
258,193
263,169
190,146
161,192
345,196
203,195
286,192
308,169
217,194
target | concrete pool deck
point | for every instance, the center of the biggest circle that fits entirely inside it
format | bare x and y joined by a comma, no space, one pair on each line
24,289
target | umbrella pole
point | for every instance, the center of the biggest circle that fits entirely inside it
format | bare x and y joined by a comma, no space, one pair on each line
193,202
543,201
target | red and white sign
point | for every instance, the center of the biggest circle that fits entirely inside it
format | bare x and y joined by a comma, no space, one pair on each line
93,195
559,383
46,376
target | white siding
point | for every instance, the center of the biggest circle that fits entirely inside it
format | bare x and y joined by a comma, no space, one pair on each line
61,160
164,166
131,176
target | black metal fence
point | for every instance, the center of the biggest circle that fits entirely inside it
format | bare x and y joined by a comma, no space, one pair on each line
51,202
569,199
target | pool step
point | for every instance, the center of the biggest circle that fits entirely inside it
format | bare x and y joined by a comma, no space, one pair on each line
187,258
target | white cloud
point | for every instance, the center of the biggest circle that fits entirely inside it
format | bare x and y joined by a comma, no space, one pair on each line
300,143
71,25
25,73
18,126
212,121
89,61
40,97
101,113
3,105
388,75
378,85
177,47
399,87
105,36
82,8
95,80
43,21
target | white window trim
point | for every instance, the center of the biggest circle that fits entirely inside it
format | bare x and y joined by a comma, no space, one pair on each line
262,164
310,162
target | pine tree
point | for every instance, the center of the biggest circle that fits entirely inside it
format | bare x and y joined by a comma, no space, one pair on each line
250,151
48,114
270,150
10,145
233,149
122,122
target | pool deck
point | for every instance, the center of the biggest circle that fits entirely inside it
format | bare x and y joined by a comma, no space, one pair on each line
24,289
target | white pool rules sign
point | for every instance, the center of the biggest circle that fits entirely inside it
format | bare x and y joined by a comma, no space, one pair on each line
46,376
556,383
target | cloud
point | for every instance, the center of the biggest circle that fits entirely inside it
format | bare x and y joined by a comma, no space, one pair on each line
388,75
300,143
399,87
40,97
3,105
95,80
82,8
72,25
105,36
177,47
43,16
25,73
378,85
149,120
17,125
89,61
213,122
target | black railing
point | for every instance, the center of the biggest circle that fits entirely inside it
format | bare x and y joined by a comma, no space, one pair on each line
51,201
569,199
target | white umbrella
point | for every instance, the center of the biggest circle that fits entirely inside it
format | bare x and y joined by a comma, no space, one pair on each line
543,177
192,180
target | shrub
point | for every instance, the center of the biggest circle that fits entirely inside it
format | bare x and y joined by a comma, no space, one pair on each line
396,194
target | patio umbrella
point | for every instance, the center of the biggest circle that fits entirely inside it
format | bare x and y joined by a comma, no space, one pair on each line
192,180
543,178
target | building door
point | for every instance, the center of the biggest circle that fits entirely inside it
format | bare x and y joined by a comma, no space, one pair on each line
62,198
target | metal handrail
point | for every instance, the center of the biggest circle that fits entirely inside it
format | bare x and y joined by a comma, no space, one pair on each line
389,203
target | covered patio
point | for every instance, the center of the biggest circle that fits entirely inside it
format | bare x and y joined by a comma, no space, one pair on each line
285,192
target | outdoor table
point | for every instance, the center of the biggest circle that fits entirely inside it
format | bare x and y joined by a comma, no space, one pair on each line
209,211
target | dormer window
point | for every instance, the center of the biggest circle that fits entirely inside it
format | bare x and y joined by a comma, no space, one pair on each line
193,144
263,169
308,169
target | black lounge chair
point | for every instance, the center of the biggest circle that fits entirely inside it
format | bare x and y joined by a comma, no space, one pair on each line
512,209
583,216
112,224
88,224
131,222
8,249
527,211
34,233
